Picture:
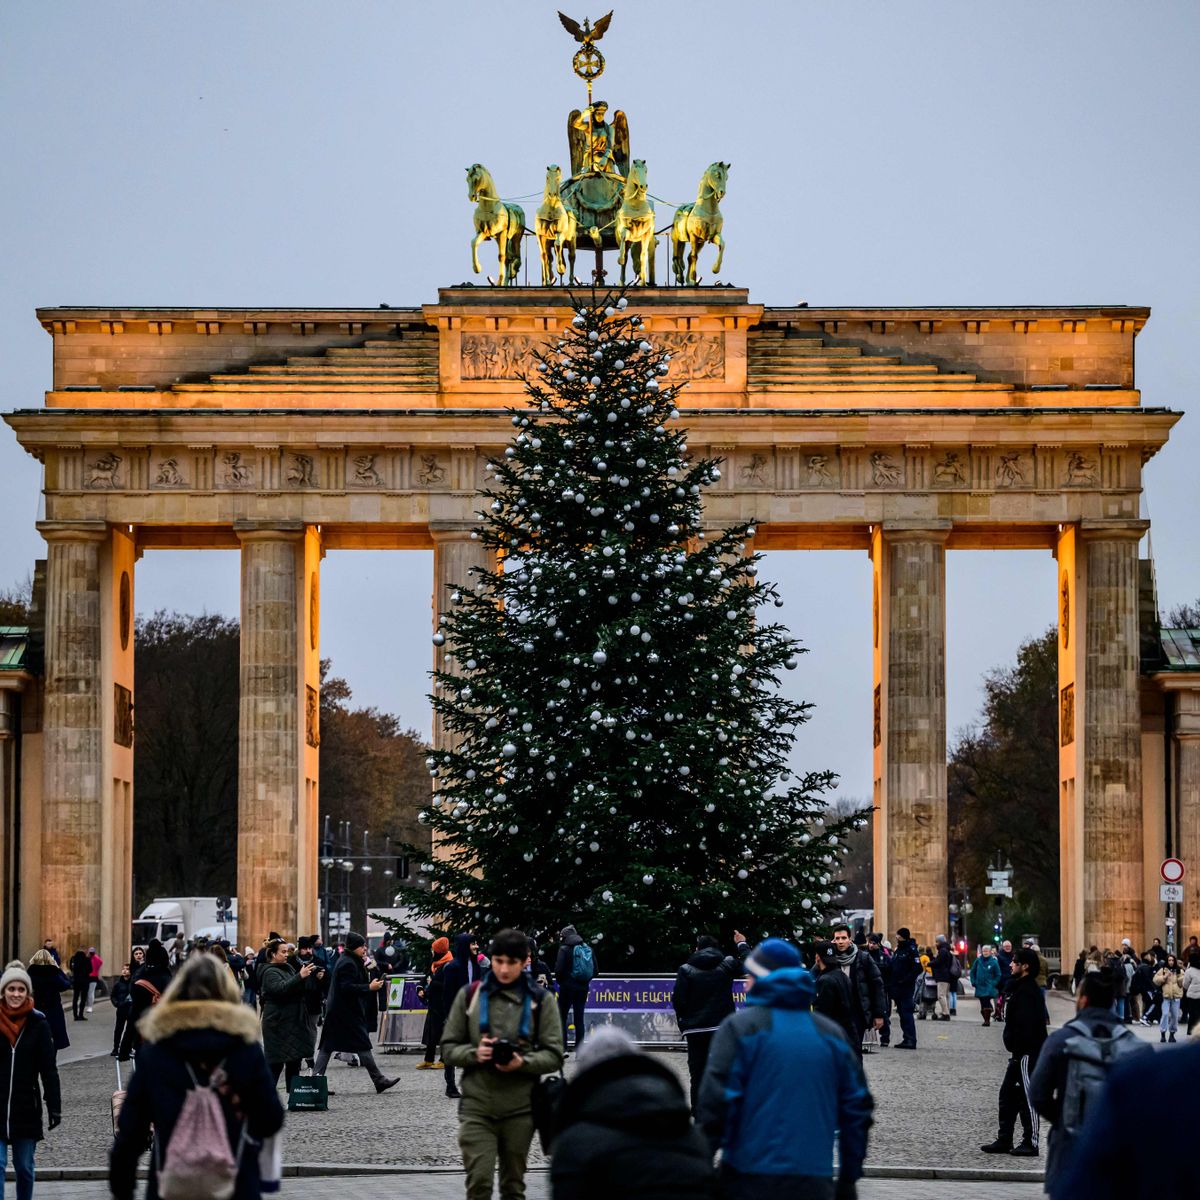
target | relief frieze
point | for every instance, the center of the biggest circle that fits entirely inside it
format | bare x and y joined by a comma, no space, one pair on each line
236,474
366,474
168,474
105,471
694,355
495,356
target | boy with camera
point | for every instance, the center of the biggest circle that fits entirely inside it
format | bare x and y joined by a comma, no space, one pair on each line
503,1032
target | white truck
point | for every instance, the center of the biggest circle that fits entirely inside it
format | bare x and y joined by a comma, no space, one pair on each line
193,916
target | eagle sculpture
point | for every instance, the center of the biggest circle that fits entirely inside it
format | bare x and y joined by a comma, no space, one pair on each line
585,34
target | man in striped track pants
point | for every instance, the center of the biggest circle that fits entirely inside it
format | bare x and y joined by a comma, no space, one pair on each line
1024,1034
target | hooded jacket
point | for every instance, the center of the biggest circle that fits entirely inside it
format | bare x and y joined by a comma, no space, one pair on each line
625,1129
703,995
21,1067
781,1081
566,956
201,1034
459,972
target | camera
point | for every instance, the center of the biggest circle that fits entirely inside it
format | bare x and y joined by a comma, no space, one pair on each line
503,1051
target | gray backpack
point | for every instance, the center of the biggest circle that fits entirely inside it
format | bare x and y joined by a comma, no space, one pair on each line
1089,1059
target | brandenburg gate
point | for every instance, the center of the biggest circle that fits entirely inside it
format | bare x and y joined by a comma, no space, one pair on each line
903,433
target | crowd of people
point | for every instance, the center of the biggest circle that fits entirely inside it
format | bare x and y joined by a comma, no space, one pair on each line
213,1030
1155,987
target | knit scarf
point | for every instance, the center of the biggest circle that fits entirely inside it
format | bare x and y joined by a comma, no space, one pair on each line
12,1020
438,963
847,957
490,986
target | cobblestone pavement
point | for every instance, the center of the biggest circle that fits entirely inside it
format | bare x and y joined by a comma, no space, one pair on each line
450,1187
934,1106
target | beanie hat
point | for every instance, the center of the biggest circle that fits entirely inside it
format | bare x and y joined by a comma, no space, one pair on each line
304,943
354,940
903,933
609,1041
440,946
15,973
773,954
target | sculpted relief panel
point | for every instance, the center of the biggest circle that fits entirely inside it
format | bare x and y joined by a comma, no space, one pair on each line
694,355
496,356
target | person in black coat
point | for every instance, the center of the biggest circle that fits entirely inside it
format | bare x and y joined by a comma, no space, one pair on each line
835,995
199,1025
149,984
27,1058
122,1002
906,970
1024,1036
703,998
623,1128
461,971
350,1013
80,967
49,983
883,964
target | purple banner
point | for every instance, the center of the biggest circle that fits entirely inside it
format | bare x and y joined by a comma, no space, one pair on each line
641,995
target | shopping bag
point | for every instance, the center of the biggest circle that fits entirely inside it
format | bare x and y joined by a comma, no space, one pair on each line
308,1093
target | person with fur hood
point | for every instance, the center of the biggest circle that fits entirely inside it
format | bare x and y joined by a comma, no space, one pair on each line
27,1059
703,998
623,1128
199,1034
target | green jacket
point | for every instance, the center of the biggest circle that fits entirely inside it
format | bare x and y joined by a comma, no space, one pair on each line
503,1094
287,1029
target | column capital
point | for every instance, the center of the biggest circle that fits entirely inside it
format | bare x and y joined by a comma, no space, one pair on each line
269,531
73,531
452,531
1095,529
937,530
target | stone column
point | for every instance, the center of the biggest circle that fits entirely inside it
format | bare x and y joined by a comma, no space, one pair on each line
455,552
73,781
1109,783
10,858
1186,747
273,801
910,625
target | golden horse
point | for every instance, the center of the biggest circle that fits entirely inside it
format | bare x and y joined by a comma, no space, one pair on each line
635,224
696,224
556,227
495,221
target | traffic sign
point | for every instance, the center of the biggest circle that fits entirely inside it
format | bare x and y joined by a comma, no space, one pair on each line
998,891
1171,870
1170,893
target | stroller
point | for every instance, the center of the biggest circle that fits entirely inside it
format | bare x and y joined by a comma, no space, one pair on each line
925,996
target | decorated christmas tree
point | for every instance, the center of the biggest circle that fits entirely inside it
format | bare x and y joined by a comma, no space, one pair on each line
618,742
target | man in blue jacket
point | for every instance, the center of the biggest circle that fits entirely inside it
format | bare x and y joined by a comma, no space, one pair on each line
782,1082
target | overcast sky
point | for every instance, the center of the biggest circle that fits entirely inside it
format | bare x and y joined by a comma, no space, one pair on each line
902,153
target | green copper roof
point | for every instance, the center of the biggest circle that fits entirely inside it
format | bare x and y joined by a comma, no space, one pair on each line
14,642
1181,649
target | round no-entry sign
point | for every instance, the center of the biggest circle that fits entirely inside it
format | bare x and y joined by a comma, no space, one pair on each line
1171,870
